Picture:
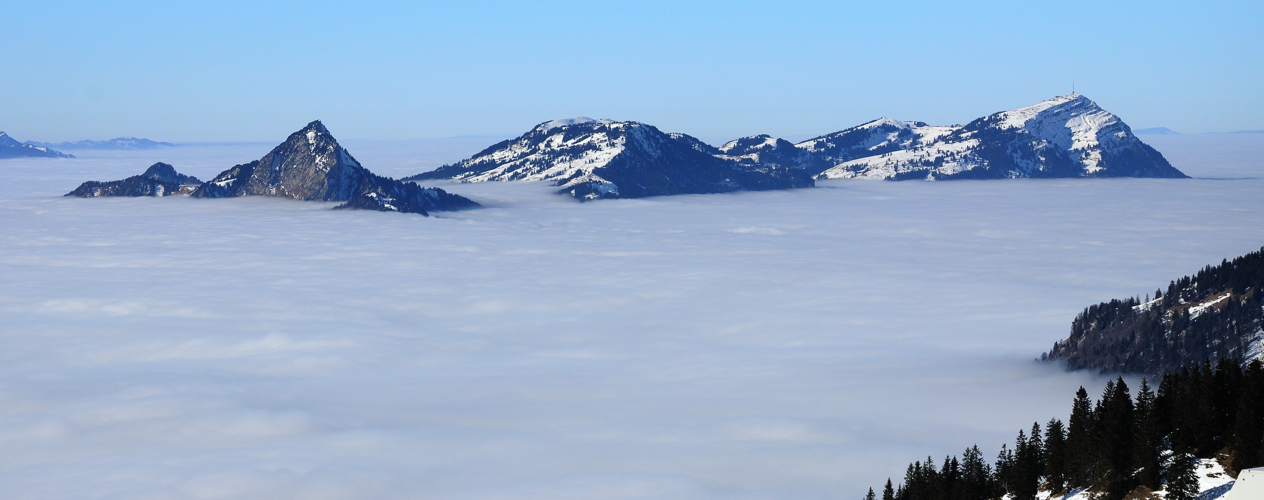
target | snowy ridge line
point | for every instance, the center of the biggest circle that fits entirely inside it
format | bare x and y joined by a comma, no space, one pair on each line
1066,136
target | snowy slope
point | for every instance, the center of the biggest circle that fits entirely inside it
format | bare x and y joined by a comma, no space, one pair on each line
1213,484
1067,136
591,159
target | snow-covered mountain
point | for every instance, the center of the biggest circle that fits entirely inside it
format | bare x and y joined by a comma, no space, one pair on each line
591,159
1067,136
11,148
160,179
118,143
310,165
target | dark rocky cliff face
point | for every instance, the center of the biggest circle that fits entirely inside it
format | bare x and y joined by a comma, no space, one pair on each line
1217,313
310,165
160,179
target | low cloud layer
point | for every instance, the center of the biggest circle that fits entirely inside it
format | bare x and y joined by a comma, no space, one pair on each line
804,344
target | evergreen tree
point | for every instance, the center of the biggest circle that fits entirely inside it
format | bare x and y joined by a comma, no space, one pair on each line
1248,433
1182,478
1114,440
887,492
1146,439
870,495
976,477
1055,456
1025,476
1079,444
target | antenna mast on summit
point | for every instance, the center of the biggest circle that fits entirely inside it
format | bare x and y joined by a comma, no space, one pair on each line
1072,88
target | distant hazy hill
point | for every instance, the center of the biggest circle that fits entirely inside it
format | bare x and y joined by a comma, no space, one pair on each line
11,148
116,143
1213,314
1156,131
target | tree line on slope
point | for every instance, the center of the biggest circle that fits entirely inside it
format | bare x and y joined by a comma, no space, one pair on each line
1214,314
1116,445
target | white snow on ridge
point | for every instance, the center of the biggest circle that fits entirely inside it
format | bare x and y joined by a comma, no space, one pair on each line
566,122
1070,123
957,157
558,158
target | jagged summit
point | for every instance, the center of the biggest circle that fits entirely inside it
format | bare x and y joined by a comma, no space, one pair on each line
311,165
591,159
11,148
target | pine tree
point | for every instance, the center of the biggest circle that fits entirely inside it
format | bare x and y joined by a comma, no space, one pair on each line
1248,434
1024,475
870,495
1114,440
976,477
1055,456
1079,444
887,492
1182,478
1146,439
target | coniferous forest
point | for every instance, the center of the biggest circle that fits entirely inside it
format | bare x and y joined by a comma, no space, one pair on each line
1117,445
1215,313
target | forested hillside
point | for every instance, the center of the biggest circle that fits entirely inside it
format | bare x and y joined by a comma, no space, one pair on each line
1213,314
1119,445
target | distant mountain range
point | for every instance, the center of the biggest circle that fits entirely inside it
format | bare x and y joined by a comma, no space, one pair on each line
309,165
1067,136
1156,131
11,148
1215,314
119,143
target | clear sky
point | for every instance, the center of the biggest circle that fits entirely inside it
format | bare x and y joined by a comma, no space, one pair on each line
222,71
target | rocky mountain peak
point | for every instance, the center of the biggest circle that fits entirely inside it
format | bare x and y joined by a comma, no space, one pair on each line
311,165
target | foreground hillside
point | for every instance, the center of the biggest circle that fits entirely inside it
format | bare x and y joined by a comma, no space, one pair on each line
1200,429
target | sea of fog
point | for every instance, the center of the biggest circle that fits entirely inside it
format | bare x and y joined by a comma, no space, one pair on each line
793,344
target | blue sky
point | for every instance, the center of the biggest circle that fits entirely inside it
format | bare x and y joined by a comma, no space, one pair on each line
386,70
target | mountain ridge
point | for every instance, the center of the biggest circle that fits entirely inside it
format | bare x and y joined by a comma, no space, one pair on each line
1065,136
11,148
117,143
594,159
160,179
